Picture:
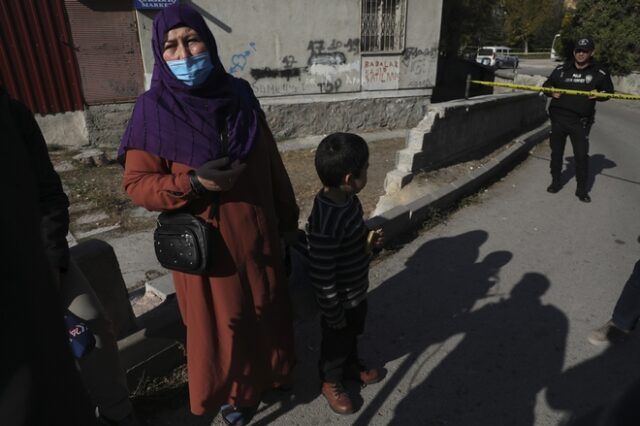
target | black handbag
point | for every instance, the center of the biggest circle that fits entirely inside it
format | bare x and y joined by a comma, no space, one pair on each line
183,242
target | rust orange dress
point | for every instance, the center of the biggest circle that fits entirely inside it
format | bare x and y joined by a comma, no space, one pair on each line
238,319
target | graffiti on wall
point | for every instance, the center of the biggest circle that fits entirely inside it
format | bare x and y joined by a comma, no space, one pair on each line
259,73
381,71
330,86
289,61
352,45
239,60
417,60
334,66
335,58
327,70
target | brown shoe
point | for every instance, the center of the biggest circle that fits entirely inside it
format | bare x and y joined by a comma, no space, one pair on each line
370,376
362,374
337,397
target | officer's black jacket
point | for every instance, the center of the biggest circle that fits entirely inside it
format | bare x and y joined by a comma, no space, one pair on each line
567,76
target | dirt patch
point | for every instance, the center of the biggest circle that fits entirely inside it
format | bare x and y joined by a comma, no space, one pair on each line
96,190
301,169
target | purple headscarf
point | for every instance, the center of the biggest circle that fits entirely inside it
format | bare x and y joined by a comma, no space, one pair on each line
180,123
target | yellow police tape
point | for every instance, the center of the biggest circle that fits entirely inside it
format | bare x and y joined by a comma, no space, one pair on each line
556,90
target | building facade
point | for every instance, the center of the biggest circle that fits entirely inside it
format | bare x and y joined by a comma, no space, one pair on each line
316,66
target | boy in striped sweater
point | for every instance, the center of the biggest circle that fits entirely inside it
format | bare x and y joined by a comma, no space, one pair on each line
339,250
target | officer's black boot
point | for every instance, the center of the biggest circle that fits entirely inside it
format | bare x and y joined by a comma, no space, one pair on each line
555,186
582,194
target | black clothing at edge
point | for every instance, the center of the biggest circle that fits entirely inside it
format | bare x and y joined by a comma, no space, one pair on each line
573,115
38,376
52,201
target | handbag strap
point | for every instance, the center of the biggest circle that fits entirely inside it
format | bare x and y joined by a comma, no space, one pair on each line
215,196
214,211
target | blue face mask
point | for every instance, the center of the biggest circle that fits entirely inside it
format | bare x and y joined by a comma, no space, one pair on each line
192,71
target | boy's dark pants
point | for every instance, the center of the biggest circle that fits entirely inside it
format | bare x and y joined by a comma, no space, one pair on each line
627,310
339,348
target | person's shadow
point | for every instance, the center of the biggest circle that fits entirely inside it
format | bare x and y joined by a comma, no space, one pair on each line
422,305
510,351
585,390
597,164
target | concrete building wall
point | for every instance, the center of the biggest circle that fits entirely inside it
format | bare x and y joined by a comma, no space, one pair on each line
306,47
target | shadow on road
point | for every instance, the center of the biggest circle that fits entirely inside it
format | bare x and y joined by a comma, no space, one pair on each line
597,164
509,351
584,390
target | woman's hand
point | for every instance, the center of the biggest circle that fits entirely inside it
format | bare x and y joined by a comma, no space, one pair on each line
219,175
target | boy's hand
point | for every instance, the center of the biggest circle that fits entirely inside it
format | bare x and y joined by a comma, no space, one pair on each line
339,325
378,239
375,239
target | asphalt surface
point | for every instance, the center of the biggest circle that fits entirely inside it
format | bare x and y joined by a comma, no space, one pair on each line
537,66
483,319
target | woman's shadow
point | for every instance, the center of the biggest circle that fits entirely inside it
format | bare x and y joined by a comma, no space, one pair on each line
597,164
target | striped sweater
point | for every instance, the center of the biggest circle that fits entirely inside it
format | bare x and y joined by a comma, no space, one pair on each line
339,262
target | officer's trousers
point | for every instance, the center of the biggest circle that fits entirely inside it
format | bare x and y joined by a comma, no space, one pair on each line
577,128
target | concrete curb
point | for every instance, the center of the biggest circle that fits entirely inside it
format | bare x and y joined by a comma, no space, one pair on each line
157,347
401,219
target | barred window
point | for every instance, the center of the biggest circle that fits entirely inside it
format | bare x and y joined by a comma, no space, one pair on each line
383,25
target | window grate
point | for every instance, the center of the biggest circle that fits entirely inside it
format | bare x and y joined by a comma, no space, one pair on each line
383,25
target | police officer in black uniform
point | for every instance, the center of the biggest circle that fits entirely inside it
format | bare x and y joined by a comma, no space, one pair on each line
573,115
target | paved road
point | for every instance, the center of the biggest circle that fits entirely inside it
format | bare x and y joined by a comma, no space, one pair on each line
483,319
537,66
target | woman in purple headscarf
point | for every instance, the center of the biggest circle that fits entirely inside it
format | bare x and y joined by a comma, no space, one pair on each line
199,131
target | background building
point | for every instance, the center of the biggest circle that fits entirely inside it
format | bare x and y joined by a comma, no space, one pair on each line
316,66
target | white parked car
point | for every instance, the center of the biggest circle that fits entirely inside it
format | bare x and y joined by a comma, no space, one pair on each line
496,56
555,49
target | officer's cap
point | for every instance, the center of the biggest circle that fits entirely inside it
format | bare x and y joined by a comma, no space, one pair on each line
585,44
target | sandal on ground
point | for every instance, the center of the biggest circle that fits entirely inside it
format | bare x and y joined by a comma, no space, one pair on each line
237,416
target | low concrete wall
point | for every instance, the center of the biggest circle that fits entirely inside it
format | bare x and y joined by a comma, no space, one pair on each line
290,117
320,116
628,84
526,79
97,261
106,123
463,130
67,129
624,84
